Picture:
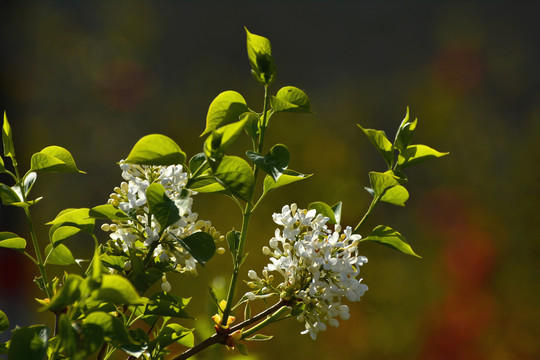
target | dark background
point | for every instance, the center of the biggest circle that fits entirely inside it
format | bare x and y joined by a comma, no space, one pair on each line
96,76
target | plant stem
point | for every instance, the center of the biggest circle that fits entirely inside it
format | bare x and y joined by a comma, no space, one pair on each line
246,215
237,262
270,319
40,263
372,206
219,338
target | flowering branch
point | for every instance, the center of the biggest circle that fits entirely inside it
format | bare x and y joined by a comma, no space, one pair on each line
221,335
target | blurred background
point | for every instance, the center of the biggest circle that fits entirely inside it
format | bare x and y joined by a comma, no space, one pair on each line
96,76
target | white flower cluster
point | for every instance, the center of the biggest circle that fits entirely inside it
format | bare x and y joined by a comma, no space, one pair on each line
142,229
319,267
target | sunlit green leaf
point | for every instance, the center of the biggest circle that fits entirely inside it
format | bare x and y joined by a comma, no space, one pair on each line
220,139
68,294
29,343
415,154
4,322
381,182
396,195
290,99
107,212
2,166
206,184
175,333
324,210
156,149
118,290
288,177
226,108
59,255
64,232
54,159
166,304
259,337
10,240
7,139
163,208
380,141
200,245
116,262
79,218
387,236
260,58
236,175
405,132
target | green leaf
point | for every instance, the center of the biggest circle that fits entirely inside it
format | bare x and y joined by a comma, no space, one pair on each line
220,139
118,290
387,236
252,125
288,177
290,99
242,349
156,149
78,341
29,343
206,184
79,218
4,322
54,159
107,212
2,166
274,163
260,58
405,132
324,210
68,294
396,195
200,245
415,154
112,328
236,175
380,141
28,182
59,255
259,337
336,208
381,182
10,240
233,239
64,232
8,195
166,304
116,262
226,108
7,139
163,208
175,333
197,161
97,268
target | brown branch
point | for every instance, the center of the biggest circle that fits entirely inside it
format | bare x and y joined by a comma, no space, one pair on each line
221,337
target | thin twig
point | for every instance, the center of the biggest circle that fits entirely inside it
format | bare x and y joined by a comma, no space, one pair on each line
221,337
